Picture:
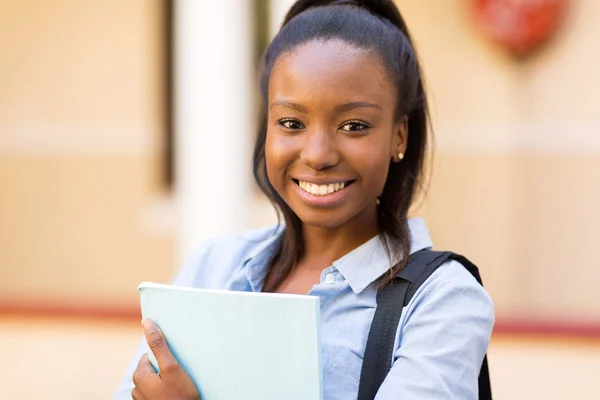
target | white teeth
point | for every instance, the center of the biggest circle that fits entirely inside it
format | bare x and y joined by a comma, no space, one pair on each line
320,190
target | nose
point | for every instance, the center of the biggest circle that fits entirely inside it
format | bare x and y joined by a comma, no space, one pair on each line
320,150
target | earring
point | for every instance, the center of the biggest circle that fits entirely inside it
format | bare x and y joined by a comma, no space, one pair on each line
377,202
400,156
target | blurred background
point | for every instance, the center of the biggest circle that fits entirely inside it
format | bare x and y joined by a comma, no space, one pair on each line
126,132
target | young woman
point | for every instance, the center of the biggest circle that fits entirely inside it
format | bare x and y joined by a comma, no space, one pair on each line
340,153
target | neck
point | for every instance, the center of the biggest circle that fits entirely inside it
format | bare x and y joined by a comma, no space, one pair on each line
323,246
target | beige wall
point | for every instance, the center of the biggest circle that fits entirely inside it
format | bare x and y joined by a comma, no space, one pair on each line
80,141
515,183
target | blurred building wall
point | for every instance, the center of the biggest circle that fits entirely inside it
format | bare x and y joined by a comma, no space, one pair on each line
516,179
81,119
514,184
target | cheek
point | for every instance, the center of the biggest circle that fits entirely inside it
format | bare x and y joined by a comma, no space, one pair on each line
277,156
378,176
372,161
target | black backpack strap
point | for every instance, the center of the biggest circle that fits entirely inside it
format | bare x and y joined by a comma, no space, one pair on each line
380,343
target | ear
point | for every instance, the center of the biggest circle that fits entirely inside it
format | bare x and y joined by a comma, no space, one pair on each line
399,139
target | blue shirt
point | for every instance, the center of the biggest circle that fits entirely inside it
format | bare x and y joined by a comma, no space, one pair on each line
442,336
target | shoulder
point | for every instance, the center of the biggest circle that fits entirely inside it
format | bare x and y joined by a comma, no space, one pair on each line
443,337
240,243
215,259
453,291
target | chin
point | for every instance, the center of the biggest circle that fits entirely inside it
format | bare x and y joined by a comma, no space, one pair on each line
321,218
324,223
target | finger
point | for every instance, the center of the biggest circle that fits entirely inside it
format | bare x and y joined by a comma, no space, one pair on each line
144,375
145,378
144,368
158,344
136,394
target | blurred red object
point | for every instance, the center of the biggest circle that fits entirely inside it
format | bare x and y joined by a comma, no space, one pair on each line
520,26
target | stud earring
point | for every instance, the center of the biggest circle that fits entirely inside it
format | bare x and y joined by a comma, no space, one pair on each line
377,202
400,156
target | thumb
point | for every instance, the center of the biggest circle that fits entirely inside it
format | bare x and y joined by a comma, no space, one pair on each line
158,344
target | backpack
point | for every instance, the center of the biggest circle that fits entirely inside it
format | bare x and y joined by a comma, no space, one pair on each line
390,301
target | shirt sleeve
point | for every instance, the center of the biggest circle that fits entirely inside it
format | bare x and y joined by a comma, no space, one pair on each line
185,277
443,339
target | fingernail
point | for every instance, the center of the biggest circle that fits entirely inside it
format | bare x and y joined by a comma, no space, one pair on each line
149,326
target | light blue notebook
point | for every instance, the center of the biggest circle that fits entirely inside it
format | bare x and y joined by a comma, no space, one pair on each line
240,345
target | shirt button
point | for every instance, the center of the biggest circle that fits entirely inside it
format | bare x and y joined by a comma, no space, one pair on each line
329,278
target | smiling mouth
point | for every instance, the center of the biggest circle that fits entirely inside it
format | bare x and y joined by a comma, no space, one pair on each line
322,190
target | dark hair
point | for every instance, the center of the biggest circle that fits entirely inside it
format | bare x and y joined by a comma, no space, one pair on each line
371,25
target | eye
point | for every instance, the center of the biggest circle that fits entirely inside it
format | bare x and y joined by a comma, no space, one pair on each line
353,126
291,124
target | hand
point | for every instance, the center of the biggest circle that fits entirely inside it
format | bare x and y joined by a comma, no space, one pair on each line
172,382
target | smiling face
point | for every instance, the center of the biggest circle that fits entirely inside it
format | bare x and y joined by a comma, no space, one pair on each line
331,133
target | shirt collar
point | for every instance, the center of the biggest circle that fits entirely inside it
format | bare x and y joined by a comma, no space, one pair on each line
259,260
361,267
365,264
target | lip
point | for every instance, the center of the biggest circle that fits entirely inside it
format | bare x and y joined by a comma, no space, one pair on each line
328,200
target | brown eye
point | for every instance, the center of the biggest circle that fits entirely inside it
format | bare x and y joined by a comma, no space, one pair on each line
291,124
353,126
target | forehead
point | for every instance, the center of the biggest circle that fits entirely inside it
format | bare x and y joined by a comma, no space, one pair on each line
331,69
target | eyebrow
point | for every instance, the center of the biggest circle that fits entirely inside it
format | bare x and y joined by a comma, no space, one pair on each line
290,104
341,108
356,104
